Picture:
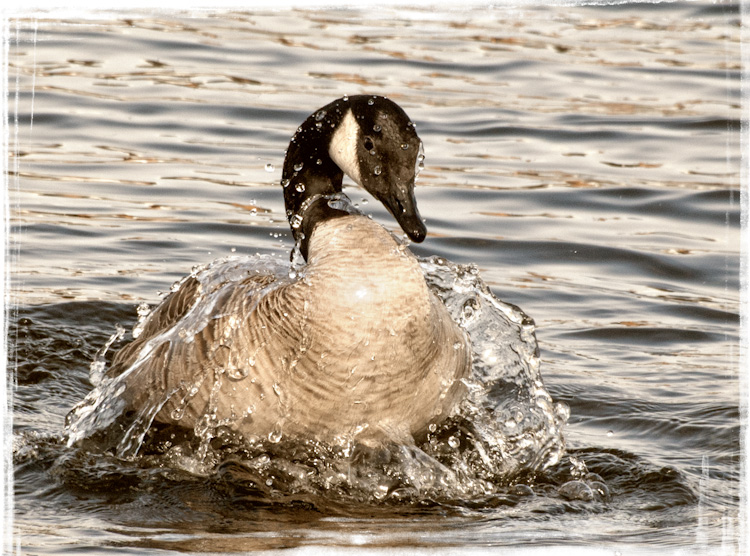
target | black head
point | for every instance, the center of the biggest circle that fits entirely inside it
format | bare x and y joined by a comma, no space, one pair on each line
387,153
373,141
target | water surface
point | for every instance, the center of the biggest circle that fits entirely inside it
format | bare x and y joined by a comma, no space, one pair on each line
586,159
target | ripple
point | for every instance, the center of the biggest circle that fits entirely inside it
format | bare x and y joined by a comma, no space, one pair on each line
587,160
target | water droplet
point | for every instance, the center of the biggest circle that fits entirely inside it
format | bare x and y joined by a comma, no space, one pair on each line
601,489
576,490
432,427
275,436
319,162
453,442
610,433
177,413
404,146
284,183
299,166
319,115
372,152
270,167
346,97
236,373
319,124
522,490
376,128
370,102
469,308
457,346
562,411
300,187
296,221
377,170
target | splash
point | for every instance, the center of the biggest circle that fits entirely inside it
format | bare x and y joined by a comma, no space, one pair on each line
508,425
101,416
506,429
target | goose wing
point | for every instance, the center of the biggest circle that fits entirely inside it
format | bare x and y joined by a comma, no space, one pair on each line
164,317
201,336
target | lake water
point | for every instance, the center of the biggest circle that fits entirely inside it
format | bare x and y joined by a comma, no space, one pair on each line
586,159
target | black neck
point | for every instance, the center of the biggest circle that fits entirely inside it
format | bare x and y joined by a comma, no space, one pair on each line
310,172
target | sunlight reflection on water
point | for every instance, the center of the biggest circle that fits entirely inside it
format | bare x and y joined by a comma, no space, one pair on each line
587,159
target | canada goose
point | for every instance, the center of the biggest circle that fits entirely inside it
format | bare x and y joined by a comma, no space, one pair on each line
355,345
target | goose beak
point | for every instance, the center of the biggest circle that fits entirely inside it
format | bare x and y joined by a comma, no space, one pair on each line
403,206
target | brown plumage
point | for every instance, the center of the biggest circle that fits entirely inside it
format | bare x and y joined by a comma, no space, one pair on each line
355,345
375,355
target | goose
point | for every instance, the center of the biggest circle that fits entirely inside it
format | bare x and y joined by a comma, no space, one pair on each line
357,344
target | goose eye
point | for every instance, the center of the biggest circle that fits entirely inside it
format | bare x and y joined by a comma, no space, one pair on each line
368,144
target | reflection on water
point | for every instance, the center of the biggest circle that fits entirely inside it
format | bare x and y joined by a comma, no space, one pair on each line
586,159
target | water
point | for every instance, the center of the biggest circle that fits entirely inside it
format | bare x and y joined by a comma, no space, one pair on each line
585,159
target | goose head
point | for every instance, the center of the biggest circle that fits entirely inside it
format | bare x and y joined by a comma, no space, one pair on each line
370,139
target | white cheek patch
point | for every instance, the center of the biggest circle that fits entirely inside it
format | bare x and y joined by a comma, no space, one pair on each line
343,147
